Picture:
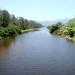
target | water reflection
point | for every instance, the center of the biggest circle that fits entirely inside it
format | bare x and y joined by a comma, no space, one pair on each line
4,45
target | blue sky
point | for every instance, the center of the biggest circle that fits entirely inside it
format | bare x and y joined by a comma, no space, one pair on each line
40,9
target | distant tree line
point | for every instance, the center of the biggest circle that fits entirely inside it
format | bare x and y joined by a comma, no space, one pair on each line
11,25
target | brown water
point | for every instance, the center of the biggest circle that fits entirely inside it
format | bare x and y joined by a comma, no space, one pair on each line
37,53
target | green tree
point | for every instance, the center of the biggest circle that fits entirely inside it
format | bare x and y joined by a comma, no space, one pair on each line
22,22
0,17
26,24
5,18
13,20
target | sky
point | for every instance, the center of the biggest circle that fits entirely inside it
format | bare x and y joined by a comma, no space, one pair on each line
41,10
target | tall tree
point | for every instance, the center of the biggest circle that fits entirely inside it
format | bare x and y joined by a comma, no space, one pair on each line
22,22
0,17
5,18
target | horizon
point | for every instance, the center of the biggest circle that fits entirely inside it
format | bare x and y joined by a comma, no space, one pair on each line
47,10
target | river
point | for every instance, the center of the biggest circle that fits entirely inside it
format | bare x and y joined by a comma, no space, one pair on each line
37,53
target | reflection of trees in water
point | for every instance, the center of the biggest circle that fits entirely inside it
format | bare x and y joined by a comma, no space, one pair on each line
4,45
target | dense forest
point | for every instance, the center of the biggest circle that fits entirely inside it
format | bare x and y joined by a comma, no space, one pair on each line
67,30
11,25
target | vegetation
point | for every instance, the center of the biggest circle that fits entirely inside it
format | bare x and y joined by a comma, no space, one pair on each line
67,30
10,25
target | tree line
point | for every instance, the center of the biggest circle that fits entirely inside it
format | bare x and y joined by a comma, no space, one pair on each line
67,30
11,25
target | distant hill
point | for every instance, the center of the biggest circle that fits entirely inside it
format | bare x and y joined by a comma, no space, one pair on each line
46,23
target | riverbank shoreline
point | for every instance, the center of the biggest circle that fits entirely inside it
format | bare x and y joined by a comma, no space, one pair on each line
22,31
72,39
69,38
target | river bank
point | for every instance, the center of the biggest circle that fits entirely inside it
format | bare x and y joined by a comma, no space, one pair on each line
66,30
22,31
70,38
67,37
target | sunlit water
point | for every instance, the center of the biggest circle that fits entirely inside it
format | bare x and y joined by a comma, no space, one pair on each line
37,53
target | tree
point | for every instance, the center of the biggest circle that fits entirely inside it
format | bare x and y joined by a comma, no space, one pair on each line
71,23
0,17
13,19
5,18
26,24
59,24
22,22
71,32
10,25
54,27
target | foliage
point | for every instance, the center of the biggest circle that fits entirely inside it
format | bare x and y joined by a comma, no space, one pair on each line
54,27
67,30
5,18
10,25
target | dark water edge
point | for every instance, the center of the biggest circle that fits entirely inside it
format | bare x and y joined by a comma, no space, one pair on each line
37,53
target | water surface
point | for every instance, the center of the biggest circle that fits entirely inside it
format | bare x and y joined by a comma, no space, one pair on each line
37,53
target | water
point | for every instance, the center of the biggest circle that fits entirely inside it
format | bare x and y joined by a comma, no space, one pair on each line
37,53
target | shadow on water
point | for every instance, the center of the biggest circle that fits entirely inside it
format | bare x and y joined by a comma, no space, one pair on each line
4,45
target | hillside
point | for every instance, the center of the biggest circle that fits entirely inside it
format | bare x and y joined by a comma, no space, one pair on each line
46,23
